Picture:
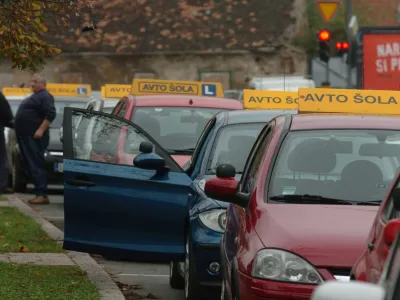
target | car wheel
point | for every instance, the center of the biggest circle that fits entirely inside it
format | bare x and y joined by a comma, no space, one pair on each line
18,178
192,289
176,280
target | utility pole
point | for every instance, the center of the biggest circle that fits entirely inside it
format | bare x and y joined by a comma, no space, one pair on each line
350,40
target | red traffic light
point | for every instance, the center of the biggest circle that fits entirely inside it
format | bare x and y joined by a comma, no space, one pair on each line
324,35
342,46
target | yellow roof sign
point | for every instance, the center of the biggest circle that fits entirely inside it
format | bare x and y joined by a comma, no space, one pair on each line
74,90
328,8
12,91
367,102
102,92
279,100
116,90
173,87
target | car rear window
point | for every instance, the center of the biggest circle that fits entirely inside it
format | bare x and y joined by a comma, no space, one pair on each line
352,165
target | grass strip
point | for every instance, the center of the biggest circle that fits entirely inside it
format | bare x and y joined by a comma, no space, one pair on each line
20,233
36,282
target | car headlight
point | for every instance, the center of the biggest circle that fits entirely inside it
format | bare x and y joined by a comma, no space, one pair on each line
280,265
214,219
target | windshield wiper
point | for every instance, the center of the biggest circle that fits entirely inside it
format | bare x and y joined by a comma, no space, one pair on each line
309,199
180,151
370,202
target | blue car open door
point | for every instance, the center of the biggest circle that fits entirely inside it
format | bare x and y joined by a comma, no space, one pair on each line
113,207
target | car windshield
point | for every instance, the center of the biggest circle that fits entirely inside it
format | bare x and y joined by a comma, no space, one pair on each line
356,166
177,129
108,110
60,105
233,146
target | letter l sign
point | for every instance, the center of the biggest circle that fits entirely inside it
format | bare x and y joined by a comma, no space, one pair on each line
209,90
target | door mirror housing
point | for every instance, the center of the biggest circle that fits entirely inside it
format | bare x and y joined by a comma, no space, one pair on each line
353,290
224,186
390,232
147,159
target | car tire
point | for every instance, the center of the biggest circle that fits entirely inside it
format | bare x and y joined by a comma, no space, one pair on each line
192,289
176,281
18,178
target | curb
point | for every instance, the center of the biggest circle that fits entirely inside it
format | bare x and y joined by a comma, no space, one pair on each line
107,288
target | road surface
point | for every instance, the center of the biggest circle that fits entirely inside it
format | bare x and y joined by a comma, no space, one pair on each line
149,278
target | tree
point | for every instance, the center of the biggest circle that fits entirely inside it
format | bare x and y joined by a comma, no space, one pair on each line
23,26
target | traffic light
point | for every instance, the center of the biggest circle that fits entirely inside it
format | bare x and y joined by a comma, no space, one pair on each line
342,48
324,36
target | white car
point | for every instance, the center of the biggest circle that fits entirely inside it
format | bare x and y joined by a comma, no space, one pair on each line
387,289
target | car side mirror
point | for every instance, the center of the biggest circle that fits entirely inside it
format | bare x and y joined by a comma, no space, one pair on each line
390,232
147,159
224,186
353,290
396,198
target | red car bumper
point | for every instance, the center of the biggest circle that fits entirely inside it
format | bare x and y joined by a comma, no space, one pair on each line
258,289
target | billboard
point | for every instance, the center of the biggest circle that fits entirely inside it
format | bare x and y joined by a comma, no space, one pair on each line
381,61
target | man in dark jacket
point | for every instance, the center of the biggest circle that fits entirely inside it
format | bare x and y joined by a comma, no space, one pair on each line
32,122
6,120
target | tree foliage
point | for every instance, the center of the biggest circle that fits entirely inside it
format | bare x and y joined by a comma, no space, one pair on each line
23,26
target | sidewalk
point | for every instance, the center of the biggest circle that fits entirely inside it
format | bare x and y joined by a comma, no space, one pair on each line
53,264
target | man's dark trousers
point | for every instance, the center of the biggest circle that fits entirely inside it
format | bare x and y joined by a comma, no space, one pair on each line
3,161
33,152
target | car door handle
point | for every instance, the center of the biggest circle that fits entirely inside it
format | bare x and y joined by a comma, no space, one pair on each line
78,182
371,246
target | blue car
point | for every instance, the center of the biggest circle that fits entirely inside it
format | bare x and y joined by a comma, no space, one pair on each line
152,210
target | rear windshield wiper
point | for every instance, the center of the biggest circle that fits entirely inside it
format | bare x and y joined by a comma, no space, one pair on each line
309,199
180,151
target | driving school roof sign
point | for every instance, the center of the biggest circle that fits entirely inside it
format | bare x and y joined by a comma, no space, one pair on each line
368,102
73,90
13,91
116,90
189,88
279,100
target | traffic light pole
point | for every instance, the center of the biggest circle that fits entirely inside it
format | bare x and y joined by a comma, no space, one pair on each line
327,71
350,40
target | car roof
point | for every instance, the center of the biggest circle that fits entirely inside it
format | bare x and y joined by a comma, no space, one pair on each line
343,121
180,100
253,116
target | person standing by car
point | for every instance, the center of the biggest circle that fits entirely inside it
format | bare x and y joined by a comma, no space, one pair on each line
32,122
6,120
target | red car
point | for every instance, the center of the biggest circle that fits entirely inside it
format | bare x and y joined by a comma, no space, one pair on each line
175,121
381,237
302,210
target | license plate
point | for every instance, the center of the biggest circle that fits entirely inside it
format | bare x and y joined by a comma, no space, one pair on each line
58,167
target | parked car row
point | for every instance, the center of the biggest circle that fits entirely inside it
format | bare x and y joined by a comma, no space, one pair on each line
264,203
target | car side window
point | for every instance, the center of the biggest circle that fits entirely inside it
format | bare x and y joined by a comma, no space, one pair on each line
105,142
202,139
254,160
122,111
389,212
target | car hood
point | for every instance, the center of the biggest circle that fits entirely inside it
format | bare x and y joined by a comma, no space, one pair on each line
326,235
55,143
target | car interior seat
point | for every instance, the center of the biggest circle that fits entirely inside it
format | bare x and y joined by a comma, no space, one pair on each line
359,180
239,147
